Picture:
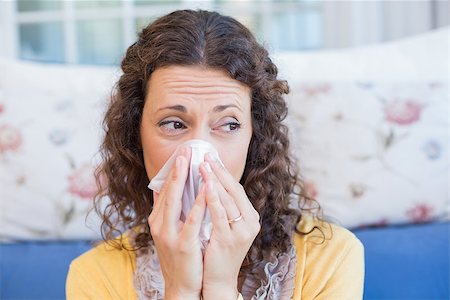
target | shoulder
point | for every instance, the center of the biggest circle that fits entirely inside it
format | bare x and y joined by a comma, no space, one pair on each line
330,260
323,236
103,272
103,254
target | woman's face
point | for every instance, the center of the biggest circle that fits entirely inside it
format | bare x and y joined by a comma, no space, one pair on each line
192,102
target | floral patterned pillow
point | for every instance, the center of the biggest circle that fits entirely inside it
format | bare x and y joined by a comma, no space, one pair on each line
373,153
50,130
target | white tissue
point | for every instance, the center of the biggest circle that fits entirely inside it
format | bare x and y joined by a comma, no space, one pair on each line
193,184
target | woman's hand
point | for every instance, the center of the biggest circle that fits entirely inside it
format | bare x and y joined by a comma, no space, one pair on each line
177,244
230,242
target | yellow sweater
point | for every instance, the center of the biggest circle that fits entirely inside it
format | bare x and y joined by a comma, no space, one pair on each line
331,270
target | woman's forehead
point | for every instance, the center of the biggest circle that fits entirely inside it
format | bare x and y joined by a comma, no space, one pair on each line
180,82
195,76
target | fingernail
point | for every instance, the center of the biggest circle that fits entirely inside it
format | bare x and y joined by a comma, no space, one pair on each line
207,167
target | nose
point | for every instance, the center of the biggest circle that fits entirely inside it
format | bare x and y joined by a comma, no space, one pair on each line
202,132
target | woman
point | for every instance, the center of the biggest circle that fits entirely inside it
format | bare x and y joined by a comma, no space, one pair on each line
201,75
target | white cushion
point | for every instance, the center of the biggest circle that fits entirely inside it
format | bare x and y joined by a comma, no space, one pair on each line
50,128
370,129
373,154
50,132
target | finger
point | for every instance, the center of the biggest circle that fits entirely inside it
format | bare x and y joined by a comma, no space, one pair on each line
226,200
191,228
154,211
218,214
233,187
184,151
172,170
160,200
172,200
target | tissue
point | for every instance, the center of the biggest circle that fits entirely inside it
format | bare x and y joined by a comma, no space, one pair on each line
193,184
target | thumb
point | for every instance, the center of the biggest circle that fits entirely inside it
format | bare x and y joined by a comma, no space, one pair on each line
155,208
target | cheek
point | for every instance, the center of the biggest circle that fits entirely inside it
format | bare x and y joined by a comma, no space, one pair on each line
155,156
152,162
234,155
234,161
156,150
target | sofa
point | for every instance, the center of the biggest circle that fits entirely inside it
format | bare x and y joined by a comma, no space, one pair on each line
369,128
402,262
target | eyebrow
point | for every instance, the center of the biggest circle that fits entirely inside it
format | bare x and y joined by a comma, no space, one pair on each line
183,109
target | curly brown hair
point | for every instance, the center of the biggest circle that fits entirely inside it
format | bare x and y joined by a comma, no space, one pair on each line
271,176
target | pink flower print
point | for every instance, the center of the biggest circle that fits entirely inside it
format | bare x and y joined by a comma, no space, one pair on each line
403,112
311,189
10,138
420,213
2,108
82,182
316,89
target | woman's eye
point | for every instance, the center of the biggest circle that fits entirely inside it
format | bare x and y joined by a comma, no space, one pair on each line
175,126
231,126
172,125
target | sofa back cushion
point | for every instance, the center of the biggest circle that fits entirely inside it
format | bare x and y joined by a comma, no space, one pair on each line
369,127
50,129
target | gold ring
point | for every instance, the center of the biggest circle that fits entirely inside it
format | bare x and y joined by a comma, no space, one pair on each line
235,220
